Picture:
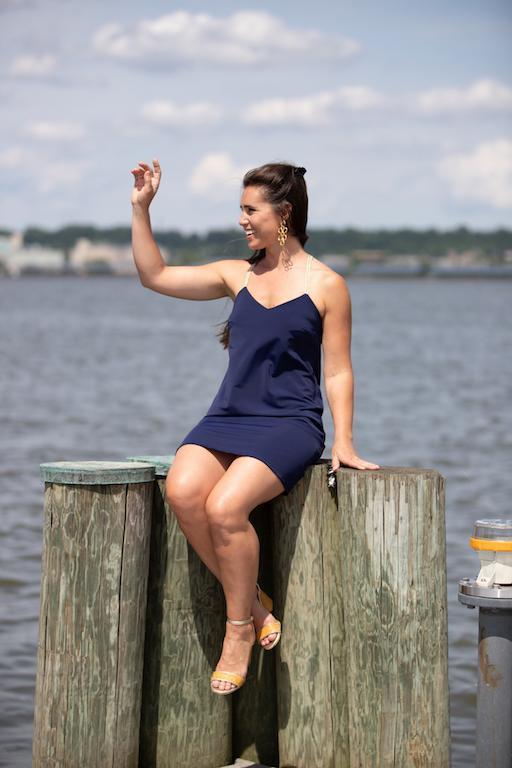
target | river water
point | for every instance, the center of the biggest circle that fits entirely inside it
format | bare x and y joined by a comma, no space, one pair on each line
102,368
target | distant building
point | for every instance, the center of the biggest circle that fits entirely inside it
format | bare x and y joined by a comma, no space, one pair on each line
339,262
87,257
364,256
16,260
460,258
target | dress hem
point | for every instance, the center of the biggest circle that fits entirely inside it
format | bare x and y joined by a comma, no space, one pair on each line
251,455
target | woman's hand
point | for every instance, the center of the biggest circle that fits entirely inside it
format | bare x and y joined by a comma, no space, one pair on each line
343,453
147,181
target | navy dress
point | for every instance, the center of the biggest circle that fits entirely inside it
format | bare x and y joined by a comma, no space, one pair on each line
269,404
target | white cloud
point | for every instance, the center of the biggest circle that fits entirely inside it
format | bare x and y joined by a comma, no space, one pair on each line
310,110
313,110
246,37
216,176
45,173
55,131
54,176
12,157
167,113
356,97
484,175
481,95
33,66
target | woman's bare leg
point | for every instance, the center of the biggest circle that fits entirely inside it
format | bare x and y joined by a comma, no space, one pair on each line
194,473
246,483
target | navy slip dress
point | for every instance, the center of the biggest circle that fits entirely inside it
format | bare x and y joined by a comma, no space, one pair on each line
269,404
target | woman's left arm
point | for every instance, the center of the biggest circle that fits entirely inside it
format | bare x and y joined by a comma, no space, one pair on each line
338,374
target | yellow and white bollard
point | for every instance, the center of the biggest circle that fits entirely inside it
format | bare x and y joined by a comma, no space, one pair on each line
492,539
491,592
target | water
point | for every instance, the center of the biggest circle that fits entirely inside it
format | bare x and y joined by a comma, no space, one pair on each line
102,368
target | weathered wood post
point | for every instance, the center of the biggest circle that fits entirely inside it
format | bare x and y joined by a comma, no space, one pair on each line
360,586
132,624
92,615
184,725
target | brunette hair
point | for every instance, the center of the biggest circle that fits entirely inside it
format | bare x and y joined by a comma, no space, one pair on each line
280,183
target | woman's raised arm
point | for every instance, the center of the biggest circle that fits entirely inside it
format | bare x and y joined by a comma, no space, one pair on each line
201,282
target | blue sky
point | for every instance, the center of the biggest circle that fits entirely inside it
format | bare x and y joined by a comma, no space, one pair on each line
401,112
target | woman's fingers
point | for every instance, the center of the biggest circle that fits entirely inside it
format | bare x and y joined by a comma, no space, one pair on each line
355,462
146,181
147,166
138,178
156,170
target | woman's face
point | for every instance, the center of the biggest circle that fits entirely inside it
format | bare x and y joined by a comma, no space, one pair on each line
258,219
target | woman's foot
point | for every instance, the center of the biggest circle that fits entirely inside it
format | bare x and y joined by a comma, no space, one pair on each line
262,617
236,653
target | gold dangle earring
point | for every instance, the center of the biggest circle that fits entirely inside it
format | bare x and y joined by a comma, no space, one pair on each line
282,234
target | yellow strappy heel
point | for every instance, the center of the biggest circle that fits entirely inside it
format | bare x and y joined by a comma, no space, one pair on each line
268,629
230,677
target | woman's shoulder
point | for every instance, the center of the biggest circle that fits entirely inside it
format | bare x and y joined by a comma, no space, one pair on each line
328,287
325,275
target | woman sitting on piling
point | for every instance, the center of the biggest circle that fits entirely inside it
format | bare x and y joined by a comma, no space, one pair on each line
264,426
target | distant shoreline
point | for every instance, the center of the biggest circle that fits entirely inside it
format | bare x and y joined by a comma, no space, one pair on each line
487,273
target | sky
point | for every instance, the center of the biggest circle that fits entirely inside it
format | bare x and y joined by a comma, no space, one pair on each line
401,112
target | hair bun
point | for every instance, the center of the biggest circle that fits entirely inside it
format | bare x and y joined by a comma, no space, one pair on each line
300,171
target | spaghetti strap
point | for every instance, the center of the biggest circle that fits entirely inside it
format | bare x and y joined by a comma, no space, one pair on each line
247,276
308,268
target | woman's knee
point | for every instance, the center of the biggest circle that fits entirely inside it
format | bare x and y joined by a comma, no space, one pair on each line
225,511
184,492
192,475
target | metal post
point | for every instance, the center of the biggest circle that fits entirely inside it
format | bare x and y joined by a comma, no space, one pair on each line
494,694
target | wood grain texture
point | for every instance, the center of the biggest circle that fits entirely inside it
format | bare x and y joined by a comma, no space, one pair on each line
311,680
183,724
91,628
392,551
132,623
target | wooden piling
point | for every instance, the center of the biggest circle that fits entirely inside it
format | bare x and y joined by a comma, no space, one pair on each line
182,723
357,573
392,552
185,625
92,615
308,592
360,583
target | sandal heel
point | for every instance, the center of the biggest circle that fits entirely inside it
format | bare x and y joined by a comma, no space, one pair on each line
274,628
264,599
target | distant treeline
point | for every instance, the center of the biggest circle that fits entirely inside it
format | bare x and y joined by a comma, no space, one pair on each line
231,243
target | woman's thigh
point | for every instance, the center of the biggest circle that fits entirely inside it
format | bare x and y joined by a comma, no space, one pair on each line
195,470
246,483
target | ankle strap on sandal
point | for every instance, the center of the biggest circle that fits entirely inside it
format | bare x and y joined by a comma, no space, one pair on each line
240,622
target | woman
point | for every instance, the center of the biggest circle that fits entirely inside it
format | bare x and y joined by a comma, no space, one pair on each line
264,426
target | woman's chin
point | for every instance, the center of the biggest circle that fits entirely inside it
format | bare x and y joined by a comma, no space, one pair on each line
254,244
